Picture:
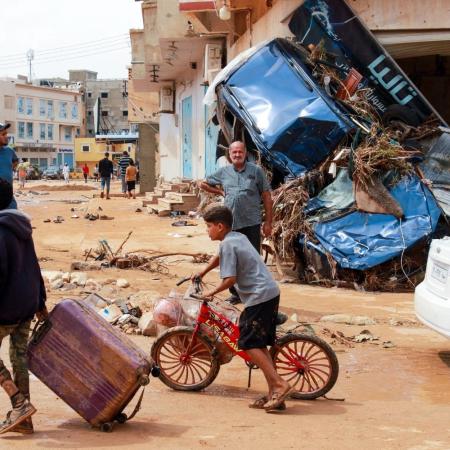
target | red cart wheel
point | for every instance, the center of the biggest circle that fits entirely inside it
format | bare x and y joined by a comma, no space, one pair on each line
180,370
306,362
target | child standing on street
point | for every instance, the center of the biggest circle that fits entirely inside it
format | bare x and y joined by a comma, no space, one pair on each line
22,296
130,178
242,267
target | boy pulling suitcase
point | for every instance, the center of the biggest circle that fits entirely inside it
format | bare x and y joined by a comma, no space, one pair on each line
22,295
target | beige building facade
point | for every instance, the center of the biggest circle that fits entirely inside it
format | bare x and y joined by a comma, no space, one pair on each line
44,121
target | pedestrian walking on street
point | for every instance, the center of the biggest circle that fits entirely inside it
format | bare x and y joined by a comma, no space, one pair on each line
130,177
244,186
242,266
96,172
8,159
22,296
22,172
105,169
66,173
85,172
124,162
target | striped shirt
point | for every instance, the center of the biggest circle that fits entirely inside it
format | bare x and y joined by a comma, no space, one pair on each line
124,162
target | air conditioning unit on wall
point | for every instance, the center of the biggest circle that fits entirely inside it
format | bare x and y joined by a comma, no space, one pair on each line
213,62
166,99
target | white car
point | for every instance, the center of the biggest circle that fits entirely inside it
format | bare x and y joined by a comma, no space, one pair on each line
432,296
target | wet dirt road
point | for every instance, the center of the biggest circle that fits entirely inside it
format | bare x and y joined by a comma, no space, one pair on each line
395,398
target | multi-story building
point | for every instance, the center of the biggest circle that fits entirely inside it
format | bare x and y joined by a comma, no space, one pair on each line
184,43
91,150
44,121
105,103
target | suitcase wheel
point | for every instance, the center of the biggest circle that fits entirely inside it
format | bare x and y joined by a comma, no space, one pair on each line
144,380
121,418
106,427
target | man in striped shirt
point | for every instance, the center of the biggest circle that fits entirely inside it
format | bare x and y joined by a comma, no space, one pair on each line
124,162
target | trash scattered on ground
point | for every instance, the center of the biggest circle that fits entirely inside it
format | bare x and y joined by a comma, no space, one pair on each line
138,210
46,220
184,223
338,337
122,283
388,344
348,319
58,219
364,336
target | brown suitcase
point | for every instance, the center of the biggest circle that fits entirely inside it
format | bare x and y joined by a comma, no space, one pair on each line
90,365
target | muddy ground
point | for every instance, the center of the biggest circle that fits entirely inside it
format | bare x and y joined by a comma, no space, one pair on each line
395,398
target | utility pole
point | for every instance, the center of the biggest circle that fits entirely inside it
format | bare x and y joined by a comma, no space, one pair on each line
30,57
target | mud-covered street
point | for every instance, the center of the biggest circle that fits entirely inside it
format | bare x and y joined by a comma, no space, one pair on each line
386,397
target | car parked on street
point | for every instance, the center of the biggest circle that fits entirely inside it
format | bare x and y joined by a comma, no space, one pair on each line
432,296
52,173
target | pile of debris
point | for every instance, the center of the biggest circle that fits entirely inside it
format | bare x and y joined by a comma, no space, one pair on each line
143,259
368,216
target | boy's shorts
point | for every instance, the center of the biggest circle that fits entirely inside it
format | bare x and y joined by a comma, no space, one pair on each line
257,325
131,185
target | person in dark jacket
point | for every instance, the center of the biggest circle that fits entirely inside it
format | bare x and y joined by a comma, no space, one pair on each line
105,168
22,295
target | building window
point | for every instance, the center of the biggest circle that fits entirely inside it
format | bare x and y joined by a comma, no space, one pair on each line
85,148
67,134
29,106
20,105
50,132
74,111
77,132
104,95
104,113
89,94
9,102
50,113
91,131
42,128
34,161
125,113
63,110
42,107
21,129
29,130
89,113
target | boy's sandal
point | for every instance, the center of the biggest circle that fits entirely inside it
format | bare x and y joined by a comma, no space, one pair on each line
277,399
261,401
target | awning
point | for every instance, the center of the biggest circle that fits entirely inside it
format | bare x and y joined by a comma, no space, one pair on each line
405,44
199,5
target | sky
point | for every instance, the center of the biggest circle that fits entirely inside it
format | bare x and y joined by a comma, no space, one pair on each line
66,35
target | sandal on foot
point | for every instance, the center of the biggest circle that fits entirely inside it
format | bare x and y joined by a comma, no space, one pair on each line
277,399
261,401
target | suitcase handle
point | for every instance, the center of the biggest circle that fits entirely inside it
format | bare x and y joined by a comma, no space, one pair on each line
39,331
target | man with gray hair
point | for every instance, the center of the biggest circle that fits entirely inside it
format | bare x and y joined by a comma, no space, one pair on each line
244,186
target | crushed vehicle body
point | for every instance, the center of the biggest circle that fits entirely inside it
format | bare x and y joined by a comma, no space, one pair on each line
356,154
289,117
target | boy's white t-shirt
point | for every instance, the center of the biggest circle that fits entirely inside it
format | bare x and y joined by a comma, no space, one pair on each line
238,258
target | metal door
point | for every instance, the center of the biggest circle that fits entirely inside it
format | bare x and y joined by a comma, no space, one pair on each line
186,129
211,134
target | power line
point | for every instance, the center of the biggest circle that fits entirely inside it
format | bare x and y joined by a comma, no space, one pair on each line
69,52
57,49
68,56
